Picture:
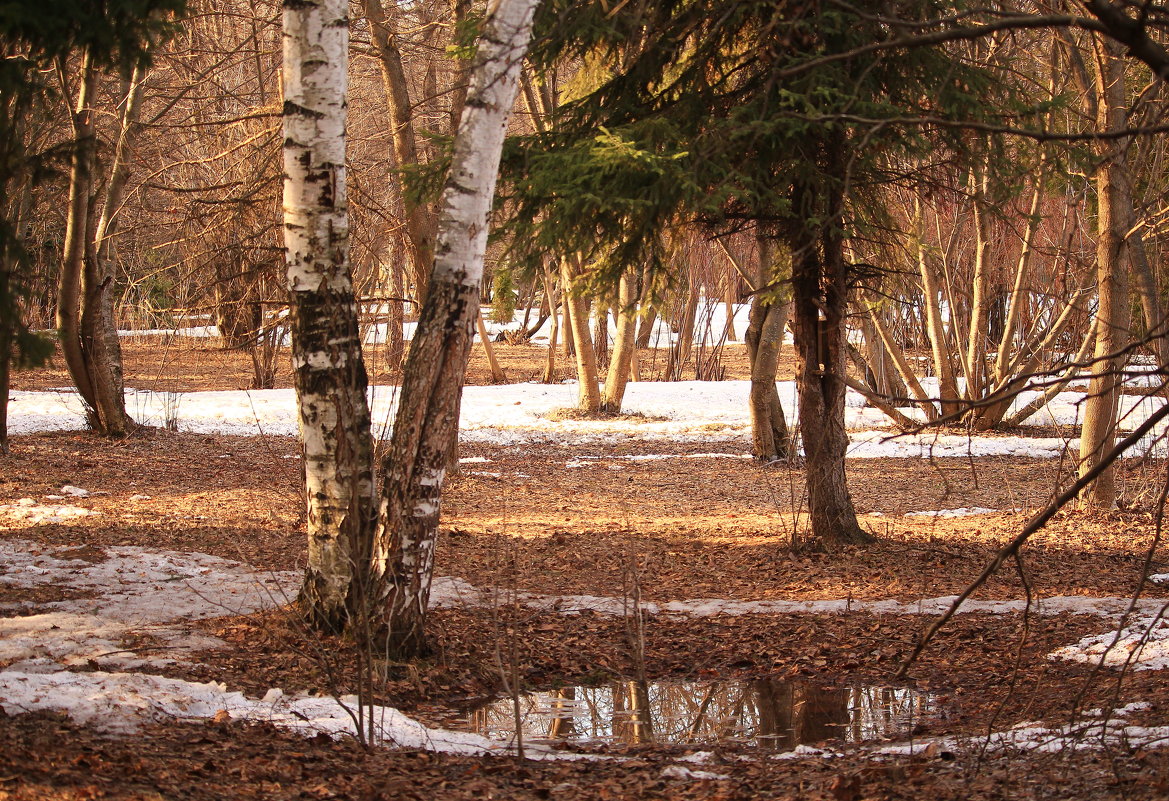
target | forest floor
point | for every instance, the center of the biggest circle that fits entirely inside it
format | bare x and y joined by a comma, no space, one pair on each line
557,532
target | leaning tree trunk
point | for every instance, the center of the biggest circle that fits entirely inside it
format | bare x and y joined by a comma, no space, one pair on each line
770,439
621,364
329,372
415,464
85,292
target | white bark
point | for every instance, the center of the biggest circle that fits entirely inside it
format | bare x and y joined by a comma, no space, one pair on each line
427,418
329,371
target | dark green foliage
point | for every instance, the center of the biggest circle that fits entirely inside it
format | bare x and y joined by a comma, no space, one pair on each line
722,112
115,32
503,295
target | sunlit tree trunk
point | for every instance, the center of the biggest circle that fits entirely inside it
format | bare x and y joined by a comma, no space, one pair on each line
420,219
329,373
578,323
415,464
85,301
623,346
935,327
1113,191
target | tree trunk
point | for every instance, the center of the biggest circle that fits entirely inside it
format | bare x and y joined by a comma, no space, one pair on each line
420,220
1113,192
329,373
935,328
766,322
578,323
85,293
601,334
819,304
498,376
680,352
623,347
976,343
554,301
415,464
395,320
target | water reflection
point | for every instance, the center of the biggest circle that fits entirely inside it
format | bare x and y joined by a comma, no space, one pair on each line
768,713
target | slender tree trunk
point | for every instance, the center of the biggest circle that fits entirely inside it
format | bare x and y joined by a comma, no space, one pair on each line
85,293
729,298
420,219
586,357
396,320
329,372
624,345
680,352
935,328
975,361
498,376
416,462
767,319
555,306
1113,193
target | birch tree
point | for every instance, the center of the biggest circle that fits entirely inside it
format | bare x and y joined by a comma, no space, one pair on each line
330,375
415,465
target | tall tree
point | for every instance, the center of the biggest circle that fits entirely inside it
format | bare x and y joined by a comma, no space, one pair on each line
330,373
415,464
116,34
761,116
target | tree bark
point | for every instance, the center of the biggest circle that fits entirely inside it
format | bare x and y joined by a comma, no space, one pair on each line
85,292
935,328
420,220
329,373
819,304
766,320
1113,191
578,324
415,463
622,362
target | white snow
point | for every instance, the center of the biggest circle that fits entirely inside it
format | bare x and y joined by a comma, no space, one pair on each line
29,511
1143,644
154,592
516,414
965,511
1093,730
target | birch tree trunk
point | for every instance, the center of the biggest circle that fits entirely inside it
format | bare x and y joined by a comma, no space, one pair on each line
329,372
415,463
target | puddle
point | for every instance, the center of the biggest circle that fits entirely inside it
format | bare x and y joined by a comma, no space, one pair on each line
768,713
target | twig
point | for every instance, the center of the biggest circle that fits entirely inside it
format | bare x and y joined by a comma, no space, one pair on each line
1037,522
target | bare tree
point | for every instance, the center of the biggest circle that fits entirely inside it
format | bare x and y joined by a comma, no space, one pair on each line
416,462
330,373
